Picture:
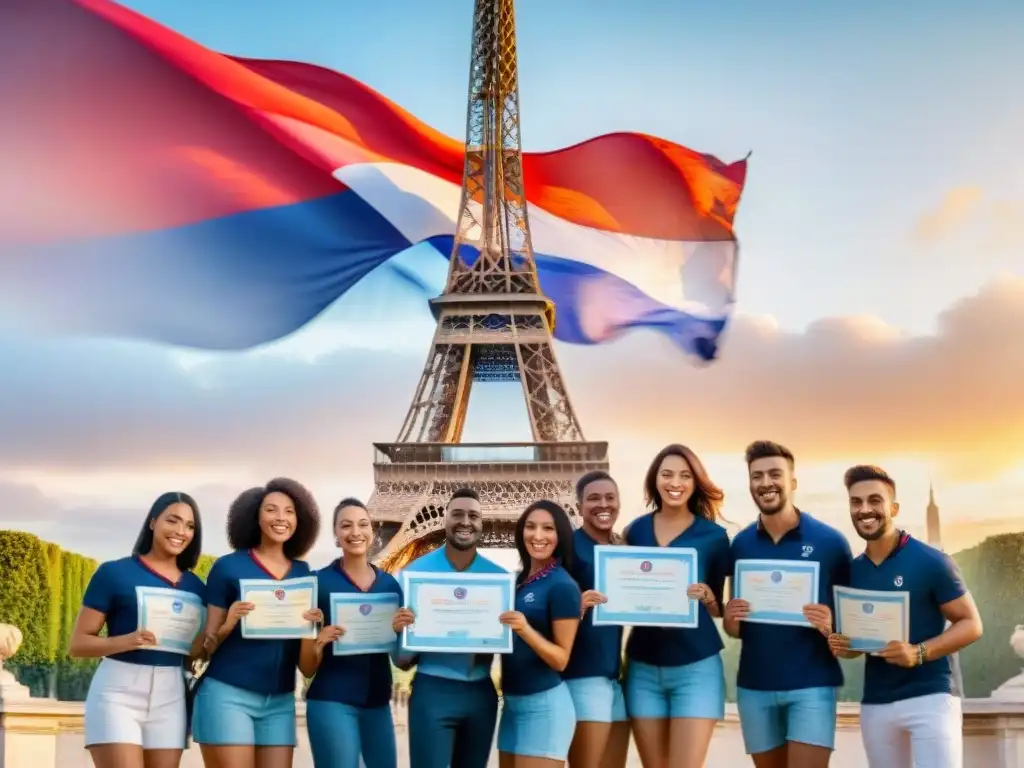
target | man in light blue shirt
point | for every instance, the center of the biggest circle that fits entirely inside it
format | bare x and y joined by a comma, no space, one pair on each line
453,707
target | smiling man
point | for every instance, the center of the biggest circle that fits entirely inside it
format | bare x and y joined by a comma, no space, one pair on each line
454,706
910,715
788,680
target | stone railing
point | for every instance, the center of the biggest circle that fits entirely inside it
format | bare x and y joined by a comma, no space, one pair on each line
44,733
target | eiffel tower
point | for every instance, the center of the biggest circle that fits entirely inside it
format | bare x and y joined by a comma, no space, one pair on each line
493,324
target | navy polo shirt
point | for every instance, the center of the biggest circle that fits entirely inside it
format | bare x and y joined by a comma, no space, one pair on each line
111,591
361,680
544,600
775,657
597,651
672,646
261,666
932,579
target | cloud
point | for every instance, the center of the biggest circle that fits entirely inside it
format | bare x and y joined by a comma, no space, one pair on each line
844,386
997,224
955,209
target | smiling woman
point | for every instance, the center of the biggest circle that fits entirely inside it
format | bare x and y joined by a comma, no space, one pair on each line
135,711
244,711
348,712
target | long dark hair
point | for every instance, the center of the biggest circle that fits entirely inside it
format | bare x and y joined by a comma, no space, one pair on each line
563,529
707,497
188,557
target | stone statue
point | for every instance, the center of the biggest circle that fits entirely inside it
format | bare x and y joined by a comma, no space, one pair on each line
1013,689
10,642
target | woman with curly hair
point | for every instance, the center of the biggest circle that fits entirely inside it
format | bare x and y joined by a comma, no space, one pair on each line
244,713
675,683
348,704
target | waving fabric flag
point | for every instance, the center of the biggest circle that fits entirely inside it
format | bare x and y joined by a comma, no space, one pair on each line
152,188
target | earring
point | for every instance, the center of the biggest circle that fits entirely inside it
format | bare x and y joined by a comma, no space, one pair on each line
337,542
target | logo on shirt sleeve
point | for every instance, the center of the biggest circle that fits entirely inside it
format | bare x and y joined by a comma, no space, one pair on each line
528,598
898,581
808,550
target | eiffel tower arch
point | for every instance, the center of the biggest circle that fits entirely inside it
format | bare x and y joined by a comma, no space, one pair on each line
493,324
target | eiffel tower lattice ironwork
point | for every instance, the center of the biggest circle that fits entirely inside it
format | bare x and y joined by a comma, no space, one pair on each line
493,324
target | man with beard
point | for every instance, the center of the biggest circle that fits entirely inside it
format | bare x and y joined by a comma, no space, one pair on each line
788,679
910,715
453,706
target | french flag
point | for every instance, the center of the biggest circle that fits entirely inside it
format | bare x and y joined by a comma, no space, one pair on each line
153,189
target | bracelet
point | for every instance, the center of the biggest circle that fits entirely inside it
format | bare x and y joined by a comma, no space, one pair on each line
922,652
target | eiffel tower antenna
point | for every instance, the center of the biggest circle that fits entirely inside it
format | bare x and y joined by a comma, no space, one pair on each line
493,324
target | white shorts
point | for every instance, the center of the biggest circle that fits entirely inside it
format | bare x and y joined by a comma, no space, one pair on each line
923,732
136,704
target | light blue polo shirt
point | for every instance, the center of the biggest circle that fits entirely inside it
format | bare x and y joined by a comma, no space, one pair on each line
467,667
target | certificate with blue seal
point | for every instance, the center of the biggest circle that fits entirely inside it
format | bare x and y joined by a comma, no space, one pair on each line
777,590
366,619
872,619
645,586
172,615
458,612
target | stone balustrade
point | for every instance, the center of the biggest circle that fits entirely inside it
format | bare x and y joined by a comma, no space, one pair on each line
43,733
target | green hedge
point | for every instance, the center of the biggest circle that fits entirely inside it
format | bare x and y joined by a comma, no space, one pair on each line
25,594
202,569
994,572
41,590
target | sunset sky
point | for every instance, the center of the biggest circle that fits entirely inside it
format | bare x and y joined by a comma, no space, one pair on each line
881,281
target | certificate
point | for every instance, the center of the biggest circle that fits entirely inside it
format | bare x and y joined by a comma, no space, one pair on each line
173,616
777,590
366,620
645,586
872,619
458,612
278,610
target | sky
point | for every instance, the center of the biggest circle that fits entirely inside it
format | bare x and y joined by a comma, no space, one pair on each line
880,288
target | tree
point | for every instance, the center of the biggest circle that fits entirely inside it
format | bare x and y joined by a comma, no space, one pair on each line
202,569
994,572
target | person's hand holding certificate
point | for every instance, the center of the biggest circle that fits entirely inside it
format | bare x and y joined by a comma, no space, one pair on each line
457,612
281,610
172,616
364,621
777,591
871,620
645,586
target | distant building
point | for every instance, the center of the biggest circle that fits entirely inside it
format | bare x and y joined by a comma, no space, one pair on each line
932,526
933,530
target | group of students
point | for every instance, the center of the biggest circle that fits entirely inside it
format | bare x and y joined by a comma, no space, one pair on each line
561,697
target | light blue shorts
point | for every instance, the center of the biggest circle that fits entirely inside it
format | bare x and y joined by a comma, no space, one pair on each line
225,715
695,691
597,700
341,734
538,724
769,719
